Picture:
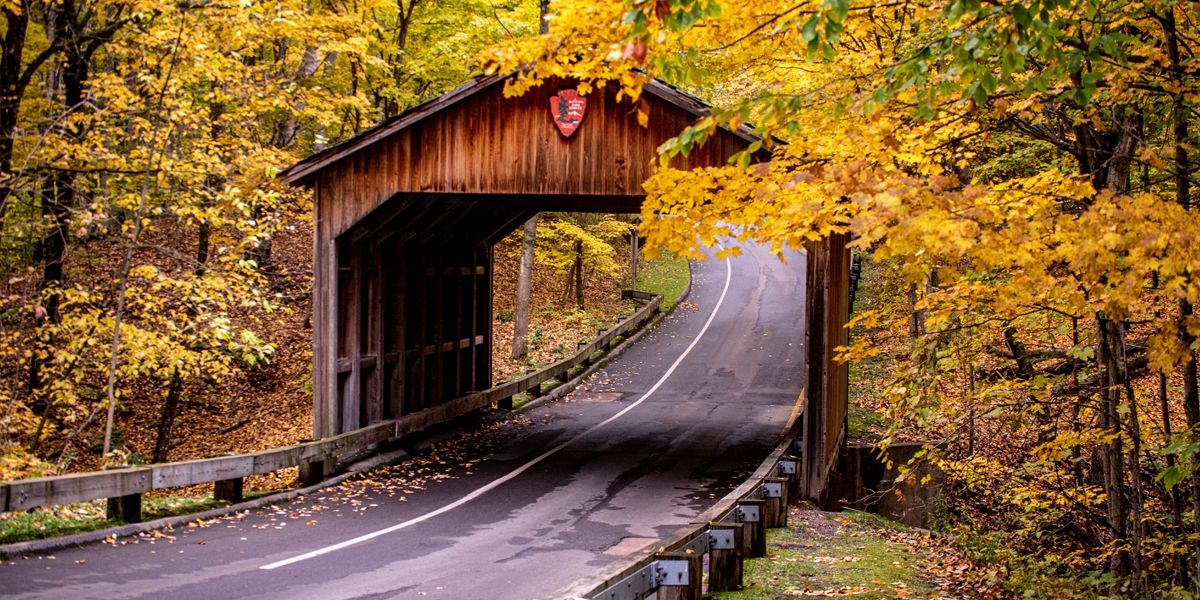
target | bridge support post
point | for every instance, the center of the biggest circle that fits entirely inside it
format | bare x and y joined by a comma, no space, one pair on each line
505,403
774,507
229,490
125,508
754,535
688,586
725,564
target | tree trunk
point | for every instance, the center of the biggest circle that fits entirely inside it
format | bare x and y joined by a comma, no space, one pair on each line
260,252
569,288
520,345
1181,568
1108,348
58,196
1128,125
166,421
11,90
579,274
543,12
1019,351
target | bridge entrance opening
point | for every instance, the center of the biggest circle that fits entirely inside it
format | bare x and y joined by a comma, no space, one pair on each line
407,214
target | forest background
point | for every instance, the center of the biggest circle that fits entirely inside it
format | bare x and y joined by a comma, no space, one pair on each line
155,294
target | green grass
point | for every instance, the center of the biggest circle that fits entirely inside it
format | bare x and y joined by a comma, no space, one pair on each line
665,275
859,422
82,517
819,554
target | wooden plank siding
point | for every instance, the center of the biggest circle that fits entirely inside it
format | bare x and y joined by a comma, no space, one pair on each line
827,309
510,147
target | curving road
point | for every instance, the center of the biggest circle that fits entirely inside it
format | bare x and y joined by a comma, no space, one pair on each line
645,445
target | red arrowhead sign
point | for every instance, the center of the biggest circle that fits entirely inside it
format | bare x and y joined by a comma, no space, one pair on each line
568,107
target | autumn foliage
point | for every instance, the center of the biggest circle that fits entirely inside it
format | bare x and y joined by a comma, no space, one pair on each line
1023,170
154,272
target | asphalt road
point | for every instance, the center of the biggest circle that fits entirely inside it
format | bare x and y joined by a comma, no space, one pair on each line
654,462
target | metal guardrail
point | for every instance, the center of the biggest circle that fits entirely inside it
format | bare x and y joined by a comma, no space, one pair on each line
733,526
25,494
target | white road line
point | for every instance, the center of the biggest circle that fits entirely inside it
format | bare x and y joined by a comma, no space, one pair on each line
497,483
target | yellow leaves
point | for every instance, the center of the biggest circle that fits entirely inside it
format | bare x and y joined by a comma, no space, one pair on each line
1152,157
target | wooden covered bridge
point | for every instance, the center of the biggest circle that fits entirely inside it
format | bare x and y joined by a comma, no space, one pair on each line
407,214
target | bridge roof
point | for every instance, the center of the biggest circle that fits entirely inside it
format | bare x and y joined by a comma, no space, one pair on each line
304,172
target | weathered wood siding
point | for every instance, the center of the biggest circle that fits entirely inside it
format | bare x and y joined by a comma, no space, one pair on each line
827,380
490,144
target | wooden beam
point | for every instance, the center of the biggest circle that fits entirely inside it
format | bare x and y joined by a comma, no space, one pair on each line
421,291
457,282
377,319
355,321
813,463
452,271
393,209
399,309
473,330
324,318
486,317
402,233
430,349
428,208
506,227
439,335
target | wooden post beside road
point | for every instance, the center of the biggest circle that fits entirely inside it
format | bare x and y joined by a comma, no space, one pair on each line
753,532
125,508
312,473
774,508
229,490
793,481
725,565
682,590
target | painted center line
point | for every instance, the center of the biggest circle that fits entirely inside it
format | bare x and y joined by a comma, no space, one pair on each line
525,467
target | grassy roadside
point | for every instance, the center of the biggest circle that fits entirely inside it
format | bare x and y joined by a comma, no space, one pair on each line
665,275
83,517
847,554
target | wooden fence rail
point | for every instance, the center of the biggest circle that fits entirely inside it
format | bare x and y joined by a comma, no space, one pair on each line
25,494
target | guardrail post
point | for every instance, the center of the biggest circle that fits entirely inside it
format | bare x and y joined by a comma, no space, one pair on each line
754,534
681,586
312,473
790,470
125,508
505,403
229,490
724,562
774,509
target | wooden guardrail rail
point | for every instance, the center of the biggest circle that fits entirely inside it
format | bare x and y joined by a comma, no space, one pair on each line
123,486
730,531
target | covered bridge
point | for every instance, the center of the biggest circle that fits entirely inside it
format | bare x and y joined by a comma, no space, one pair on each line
408,211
